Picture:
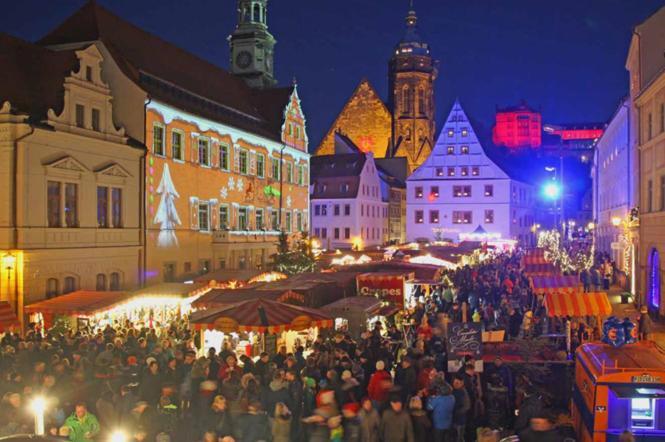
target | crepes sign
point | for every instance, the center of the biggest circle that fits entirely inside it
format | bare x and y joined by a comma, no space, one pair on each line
388,287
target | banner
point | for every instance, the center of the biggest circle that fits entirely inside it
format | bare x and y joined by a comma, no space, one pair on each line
464,339
387,287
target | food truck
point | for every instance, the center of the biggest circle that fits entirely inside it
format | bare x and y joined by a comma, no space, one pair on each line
618,389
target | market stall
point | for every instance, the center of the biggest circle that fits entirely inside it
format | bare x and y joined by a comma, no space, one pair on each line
8,319
577,304
534,263
260,323
224,278
220,297
556,284
359,313
390,287
619,389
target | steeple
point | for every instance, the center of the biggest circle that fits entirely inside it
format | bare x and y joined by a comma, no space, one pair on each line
411,18
252,45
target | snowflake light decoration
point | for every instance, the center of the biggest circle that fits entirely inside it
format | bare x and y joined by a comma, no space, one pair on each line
224,192
240,185
232,183
288,201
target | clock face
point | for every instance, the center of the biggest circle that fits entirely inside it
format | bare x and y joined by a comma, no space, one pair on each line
244,59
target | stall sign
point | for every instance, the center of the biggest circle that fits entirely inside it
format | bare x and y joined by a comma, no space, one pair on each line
645,379
292,296
225,325
464,339
301,322
386,287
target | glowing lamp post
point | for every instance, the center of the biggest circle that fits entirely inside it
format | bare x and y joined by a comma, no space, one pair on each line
118,436
616,221
38,407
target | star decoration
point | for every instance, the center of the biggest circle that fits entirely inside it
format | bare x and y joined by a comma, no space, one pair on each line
232,183
240,185
224,192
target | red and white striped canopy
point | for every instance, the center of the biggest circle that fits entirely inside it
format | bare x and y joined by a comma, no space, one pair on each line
8,318
260,315
556,284
578,304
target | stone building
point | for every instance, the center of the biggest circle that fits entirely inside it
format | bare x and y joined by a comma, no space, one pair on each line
130,161
459,190
404,126
646,65
70,174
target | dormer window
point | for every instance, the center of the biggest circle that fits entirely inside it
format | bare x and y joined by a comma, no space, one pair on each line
465,149
451,150
451,133
465,132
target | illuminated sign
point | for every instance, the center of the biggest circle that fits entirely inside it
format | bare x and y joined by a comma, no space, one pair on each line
386,287
645,379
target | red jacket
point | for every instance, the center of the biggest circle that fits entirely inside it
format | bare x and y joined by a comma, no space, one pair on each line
376,390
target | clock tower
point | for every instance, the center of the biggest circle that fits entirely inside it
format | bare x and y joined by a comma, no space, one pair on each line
252,45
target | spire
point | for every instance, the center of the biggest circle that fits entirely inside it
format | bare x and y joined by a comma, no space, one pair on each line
411,17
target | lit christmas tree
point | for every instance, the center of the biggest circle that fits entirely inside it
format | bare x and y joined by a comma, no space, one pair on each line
167,215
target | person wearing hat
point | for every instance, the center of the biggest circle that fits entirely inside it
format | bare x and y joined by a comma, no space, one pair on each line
349,391
151,384
396,423
379,385
442,405
351,422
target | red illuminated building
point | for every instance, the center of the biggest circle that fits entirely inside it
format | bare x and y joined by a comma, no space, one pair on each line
517,127
587,132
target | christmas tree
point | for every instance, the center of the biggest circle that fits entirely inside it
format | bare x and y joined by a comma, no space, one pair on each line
167,215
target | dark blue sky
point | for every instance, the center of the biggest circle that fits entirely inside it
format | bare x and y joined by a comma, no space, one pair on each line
565,57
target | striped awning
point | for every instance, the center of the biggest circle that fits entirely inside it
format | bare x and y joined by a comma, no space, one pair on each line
578,304
260,315
79,303
556,284
8,318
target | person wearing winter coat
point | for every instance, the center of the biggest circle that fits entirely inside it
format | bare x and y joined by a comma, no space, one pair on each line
276,392
531,407
462,407
379,385
351,422
407,378
396,424
422,426
281,424
442,406
254,425
370,422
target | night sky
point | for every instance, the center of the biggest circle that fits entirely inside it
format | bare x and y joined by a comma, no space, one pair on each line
565,57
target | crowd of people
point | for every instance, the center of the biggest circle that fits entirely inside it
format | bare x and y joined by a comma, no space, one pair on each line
392,384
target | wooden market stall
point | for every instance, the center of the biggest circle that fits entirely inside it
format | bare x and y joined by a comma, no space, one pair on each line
220,297
358,313
535,264
556,284
619,389
248,323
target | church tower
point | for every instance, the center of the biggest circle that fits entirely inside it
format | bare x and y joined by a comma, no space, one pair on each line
252,45
412,72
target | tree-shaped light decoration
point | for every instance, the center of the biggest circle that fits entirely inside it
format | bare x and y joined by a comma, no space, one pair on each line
167,214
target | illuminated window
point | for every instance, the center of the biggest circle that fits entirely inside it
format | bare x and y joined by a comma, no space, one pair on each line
489,216
489,190
464,217
224,159
177,149
451,150
243,161
204,216
434,191
461,191
464,149
419,217
475,171
433,216
157,139
204,151
297,132
451,171
464,171
224,216
260,165
465,132
451,133
419,192
439,171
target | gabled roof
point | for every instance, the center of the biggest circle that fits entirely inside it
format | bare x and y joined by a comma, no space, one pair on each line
173,75
329,173
32,77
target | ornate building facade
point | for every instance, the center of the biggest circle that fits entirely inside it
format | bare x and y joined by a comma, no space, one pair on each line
404,126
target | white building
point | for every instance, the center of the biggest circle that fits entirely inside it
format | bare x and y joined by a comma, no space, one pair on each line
615,184
348,207
459,188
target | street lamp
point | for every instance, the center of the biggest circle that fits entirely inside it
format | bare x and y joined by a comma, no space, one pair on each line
38,407
616,221
118,436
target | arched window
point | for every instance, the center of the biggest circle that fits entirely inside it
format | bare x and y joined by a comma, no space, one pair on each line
115,281
70,285
653,280
264,15
101,282
52,286
422,109
257,13
407,100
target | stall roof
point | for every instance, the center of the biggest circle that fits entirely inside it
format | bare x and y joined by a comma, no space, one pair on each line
368,304
578,304
8,318
81,302
225,275
641,357
422,271
260,315
175,289
559,283
219,297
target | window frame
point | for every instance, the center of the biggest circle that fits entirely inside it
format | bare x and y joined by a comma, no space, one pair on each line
206,142
162,127
260,160
224,156
180,134
202,204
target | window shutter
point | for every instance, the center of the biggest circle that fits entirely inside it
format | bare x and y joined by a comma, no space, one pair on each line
236,159
214,152
252,162
194,213
214,214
